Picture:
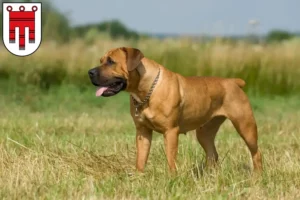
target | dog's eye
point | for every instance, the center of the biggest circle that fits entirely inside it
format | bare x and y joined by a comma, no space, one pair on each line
109,61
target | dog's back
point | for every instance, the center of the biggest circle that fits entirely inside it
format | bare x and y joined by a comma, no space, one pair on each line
212,93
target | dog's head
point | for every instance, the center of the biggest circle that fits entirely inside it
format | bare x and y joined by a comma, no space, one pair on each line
112,75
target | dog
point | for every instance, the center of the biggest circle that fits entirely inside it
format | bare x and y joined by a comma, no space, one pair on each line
172,104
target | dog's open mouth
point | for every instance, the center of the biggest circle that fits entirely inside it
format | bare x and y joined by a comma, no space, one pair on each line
112,89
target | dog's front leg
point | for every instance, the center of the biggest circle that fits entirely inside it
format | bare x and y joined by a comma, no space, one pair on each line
143,144
171,146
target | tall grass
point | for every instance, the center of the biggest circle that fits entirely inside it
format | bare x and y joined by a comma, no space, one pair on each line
272,69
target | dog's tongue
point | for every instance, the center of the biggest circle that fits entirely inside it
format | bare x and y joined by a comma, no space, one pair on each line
100,91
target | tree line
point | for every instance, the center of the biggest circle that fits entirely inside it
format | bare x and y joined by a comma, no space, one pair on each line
56,26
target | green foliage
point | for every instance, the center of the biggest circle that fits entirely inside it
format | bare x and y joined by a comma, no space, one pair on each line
278,36
55,25
114,27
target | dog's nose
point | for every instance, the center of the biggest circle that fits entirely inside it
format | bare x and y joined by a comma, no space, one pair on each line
92,72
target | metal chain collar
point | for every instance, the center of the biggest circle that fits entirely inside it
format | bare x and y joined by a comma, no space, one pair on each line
136,103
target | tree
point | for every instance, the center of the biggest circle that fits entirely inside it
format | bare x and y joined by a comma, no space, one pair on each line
114,27
278,36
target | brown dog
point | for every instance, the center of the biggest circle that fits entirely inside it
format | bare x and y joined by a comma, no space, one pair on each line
171,104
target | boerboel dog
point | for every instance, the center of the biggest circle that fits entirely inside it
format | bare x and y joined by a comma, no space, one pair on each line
170,103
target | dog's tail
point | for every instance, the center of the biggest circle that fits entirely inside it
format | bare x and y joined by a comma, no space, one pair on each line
240,82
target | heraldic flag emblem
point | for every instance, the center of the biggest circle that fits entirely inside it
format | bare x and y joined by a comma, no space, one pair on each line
22,27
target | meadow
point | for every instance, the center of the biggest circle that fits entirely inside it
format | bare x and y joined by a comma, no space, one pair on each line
58,141
268,69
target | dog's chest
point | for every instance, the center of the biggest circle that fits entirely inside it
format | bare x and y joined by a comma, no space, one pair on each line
148,118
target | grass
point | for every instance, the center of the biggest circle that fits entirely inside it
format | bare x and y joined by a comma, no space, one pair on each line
58,141
64,143
270,69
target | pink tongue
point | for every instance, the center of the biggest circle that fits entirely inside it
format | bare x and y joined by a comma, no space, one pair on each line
100,91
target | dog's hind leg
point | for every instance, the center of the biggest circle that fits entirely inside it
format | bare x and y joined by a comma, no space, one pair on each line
206,137
247,129
240,114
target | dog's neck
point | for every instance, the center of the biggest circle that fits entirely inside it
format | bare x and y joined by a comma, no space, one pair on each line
146,76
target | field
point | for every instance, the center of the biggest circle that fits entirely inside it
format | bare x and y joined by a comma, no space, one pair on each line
58,141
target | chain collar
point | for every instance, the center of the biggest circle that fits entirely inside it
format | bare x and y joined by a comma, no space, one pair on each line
136,103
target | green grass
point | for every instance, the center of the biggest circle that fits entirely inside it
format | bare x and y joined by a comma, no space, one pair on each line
64,143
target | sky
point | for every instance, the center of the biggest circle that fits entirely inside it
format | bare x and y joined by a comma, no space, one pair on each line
192,17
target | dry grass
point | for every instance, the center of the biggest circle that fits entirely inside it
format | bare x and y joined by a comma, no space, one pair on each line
84,148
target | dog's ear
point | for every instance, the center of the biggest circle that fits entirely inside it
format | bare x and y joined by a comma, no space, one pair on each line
133,57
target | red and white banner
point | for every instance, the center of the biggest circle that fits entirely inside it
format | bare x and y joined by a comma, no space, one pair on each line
22,27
